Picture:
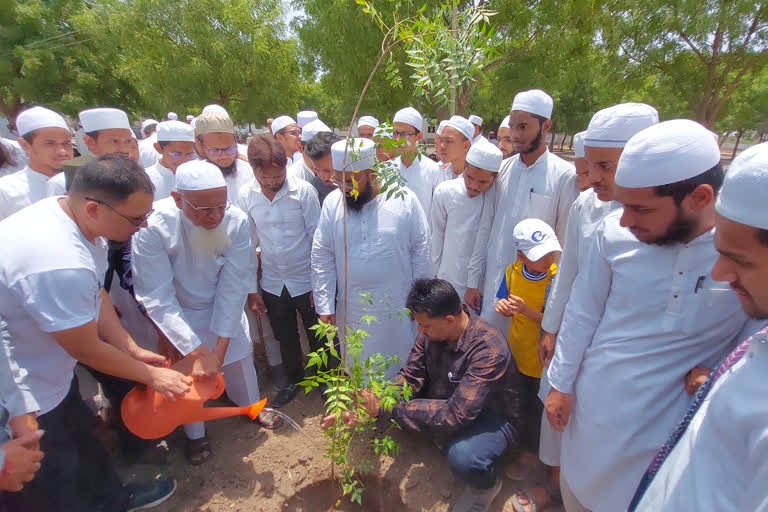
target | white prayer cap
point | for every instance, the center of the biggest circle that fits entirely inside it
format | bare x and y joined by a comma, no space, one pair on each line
312,128
382,132
534,101
304,117
612,127
368,121
409,115
214,122
281,122
666,153
743,195
578,144
175,131
476,120
535,238
96,119
214,108
38,117
463,126
190,117
146,123
360,155
199,175
172,116
504,123
485,155
440,127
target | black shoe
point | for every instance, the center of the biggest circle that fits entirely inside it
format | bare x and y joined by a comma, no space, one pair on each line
283,396
148,495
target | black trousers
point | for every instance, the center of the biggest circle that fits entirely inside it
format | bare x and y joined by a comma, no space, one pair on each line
76,473
531,409
281,311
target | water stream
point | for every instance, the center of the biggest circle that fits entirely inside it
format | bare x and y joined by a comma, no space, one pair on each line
293,424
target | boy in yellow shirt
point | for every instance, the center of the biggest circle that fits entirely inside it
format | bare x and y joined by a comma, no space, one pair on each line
521,296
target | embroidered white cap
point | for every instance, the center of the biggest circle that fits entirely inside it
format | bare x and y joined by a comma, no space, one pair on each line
409,115
312,128
367,121
96,119
476,120
38,117
534,101
578,144
743,196
485,155
352,155
305,117
199,175
462,125
281,122
612,127
175,131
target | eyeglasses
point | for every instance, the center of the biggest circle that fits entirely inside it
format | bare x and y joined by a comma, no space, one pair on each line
187,156
133,220
203,210
295,133
231,150
400,135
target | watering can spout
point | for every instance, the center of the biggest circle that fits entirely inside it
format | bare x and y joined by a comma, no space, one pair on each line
150,416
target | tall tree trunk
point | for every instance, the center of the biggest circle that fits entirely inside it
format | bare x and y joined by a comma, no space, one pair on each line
736,145
11,109
562,142
552,141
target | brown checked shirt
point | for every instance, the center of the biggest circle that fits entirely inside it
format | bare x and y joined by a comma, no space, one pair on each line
454,382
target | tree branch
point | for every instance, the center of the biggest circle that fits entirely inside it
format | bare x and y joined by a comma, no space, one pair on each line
692,46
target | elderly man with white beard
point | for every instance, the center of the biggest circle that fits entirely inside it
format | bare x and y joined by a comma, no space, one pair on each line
194,266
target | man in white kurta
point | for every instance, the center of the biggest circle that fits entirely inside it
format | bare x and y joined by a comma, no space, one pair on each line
47,141
641,314
216,143
175,145
422,174
194,266
300,168
455,141
532,184
457,207
387,245
288,134
717,457
147,154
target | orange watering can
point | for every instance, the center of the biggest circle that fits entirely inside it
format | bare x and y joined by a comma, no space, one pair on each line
149,415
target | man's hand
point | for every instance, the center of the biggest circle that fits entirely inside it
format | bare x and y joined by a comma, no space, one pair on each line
329,319
256,304
205,364
169,383
558,406
695,378
349,419
547,348
146,356
23,425
22,460
473,298
370,403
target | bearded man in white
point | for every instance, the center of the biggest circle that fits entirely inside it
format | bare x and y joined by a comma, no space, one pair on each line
194,266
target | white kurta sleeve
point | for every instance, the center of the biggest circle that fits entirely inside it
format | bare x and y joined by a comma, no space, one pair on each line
438,221
476,269
234,282
567,191
419,242
153,285
755,497
324,277
566,274
582,316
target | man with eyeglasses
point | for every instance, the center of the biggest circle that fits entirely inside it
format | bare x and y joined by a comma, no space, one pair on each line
422,175
194,266
288,134
455,141
216,143
45,137
58,313
176,145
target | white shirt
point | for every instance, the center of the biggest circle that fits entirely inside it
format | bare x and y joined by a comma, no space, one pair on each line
18,155
148,155
721,461
21,189
422,177
388,247
51,281
285,227
56,186
454,222
299,169
195,298
163,179
586,214
239,183
639,318
545,190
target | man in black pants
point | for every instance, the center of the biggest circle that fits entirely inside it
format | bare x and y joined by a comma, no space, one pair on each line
284,211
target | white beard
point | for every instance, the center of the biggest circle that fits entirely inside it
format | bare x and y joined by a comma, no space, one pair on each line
207,242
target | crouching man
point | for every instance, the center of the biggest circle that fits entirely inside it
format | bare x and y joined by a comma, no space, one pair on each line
465,390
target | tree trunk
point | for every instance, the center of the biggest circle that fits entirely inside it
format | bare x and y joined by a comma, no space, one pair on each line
10,110
552,141
736,145
723,138
562,142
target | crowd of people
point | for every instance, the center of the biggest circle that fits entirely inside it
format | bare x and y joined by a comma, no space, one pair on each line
604,317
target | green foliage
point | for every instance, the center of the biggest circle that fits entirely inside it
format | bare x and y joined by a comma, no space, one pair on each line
343,394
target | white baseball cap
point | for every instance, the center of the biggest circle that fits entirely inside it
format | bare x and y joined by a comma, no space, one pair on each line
535,238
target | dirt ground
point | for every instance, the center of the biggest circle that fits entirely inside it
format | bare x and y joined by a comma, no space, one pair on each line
257,470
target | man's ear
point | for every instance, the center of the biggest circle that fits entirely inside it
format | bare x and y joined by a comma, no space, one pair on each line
90,142
700,198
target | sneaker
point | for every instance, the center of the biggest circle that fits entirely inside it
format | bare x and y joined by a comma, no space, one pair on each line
477,500
283,396
148,495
